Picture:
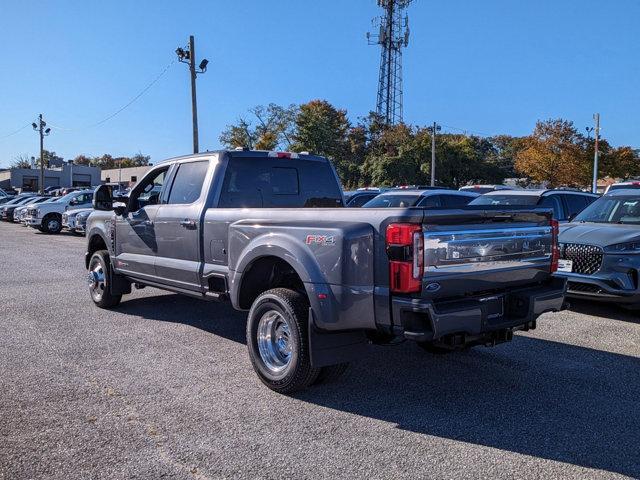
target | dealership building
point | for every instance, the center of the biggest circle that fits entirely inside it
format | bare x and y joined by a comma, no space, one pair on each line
124,176
67,175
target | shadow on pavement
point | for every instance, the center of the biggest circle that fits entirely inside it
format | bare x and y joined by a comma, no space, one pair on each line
605,310
535,397
217,318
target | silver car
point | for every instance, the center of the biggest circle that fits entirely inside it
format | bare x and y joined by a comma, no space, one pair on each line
600,250
70,219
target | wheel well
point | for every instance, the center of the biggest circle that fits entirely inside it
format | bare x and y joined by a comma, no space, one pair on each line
95,243
264,274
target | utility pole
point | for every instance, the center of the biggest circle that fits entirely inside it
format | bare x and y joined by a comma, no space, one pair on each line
39,127
434,129
596,153
188,56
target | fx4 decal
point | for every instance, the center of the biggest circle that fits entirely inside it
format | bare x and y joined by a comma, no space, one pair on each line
320,240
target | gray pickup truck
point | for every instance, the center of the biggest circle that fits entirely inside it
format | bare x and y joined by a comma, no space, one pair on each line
268,231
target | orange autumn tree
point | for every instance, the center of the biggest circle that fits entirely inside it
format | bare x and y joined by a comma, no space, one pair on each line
555,153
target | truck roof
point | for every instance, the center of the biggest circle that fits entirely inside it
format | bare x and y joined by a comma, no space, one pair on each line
417,193
247,153
534,192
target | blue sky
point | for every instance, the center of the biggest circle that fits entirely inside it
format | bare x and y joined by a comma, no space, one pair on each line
487,67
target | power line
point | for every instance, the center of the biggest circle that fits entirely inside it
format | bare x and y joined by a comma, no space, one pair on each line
16,132
124,107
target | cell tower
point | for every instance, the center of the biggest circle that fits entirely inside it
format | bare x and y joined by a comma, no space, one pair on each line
392,36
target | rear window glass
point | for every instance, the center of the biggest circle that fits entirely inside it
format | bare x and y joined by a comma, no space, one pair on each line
478,189
623,186
505,200
262,182
386,201
453,201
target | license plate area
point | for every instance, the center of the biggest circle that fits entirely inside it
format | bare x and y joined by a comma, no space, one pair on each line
492,307
565,265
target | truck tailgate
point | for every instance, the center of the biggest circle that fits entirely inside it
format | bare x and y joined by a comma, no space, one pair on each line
469,252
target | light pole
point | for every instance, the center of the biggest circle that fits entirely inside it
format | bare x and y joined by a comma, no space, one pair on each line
434,130
39,127
596,153
589,130
188,55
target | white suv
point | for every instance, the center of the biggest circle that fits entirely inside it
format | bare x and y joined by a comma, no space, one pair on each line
47,217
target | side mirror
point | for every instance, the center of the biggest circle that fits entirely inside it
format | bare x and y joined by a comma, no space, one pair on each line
102,199
119,209
572,216
73,201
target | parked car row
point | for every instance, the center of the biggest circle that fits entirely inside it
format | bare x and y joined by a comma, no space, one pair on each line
599,249
50,214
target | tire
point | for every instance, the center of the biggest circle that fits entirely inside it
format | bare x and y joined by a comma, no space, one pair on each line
52,223
331,373
278,342
98,279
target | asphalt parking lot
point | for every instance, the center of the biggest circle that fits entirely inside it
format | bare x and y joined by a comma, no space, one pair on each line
162,387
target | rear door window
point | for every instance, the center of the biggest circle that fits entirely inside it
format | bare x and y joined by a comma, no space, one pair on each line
553,202
430,201
575,203
455,201
360,200
187,183
263,182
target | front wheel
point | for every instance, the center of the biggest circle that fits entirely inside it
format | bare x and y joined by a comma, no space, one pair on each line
52,224
278,342
98,279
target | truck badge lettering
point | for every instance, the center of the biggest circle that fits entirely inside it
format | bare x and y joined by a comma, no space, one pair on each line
320,240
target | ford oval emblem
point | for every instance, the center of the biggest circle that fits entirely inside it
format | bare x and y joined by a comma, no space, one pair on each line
432,287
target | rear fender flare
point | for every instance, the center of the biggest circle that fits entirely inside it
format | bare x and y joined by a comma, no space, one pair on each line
284,247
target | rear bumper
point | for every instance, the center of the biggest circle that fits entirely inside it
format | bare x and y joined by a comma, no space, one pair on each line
425,320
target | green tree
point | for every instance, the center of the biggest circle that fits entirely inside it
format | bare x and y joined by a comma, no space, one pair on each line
273,129
321,128
399,156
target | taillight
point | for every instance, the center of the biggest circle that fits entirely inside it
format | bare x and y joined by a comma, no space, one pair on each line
405,248
555,251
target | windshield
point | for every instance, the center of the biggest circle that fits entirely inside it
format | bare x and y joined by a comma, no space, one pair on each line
67,197
385,201
612,210
623,186
18,201
506,200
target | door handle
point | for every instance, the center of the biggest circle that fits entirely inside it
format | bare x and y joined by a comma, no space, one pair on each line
188,224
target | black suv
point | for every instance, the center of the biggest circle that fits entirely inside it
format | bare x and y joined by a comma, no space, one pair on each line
566,204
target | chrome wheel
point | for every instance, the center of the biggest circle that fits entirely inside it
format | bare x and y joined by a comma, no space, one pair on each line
274,341
96,280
